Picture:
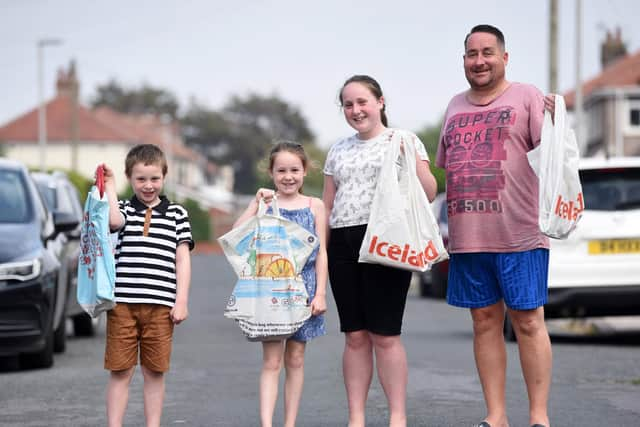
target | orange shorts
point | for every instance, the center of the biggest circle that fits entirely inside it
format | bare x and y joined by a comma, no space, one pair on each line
130,326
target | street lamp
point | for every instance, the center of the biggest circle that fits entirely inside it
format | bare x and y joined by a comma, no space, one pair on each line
42,117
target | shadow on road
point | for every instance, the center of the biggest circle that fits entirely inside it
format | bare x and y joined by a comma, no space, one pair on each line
610,338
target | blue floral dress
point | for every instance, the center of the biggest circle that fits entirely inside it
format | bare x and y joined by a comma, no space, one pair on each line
314,326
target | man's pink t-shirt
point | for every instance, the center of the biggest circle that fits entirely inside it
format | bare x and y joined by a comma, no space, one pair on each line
492,192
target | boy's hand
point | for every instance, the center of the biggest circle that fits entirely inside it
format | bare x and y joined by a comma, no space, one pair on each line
318,305
178,313
109,176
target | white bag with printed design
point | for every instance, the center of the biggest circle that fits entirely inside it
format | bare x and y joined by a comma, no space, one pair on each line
268,252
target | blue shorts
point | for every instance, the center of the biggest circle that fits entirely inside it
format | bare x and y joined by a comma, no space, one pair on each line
482,279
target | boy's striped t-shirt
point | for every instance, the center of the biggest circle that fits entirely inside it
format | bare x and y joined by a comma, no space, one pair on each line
146,251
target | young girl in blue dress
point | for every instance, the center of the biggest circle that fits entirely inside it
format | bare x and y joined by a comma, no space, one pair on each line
288,167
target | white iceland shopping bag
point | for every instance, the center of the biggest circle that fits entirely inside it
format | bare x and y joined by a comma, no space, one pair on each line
268,253
402,231
555,161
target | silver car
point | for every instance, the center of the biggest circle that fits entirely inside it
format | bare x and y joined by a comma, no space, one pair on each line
62,198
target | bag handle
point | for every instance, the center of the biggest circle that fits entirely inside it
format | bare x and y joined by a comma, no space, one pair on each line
100,180
409,155
262,206
408,151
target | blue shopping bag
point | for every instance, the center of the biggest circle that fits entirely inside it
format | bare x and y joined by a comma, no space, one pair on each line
96,265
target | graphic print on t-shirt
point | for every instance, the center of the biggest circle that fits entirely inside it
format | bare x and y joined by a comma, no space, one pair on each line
474,144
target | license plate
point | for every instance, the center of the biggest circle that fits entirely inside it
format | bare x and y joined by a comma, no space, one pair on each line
614,246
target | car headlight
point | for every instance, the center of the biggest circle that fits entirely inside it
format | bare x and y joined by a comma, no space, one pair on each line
22,271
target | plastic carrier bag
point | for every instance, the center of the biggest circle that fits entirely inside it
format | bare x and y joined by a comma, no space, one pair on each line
96,265
268,253
555,162
402,231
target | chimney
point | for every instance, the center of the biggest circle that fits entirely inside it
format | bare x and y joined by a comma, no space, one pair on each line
67,85
67,82
612,48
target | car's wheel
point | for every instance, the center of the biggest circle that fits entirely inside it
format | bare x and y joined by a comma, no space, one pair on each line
509,332
83,325
60,337
41,359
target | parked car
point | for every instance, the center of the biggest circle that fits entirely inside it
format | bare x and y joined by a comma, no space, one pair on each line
62,198
433,282
596,270
30,241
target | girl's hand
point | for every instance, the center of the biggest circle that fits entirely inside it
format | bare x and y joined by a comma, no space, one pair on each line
318,305
266,194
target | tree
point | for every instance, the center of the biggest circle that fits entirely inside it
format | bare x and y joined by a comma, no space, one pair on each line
145,99
257,123
241,134
207,131
272,116
430,135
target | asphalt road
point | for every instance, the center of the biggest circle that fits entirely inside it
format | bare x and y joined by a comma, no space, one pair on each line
214,374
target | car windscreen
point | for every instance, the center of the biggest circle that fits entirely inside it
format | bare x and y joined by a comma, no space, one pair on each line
48,193
610,189
14,200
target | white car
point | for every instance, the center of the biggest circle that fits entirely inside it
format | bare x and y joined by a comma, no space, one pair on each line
596,270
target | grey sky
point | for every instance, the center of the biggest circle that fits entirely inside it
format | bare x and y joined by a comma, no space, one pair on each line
299,49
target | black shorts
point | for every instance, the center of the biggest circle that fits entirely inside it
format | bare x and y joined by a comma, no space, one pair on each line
369,297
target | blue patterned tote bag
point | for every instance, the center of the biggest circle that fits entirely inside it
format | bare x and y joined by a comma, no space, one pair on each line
96,266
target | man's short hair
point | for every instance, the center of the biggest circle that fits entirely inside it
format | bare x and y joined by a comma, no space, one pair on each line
486,28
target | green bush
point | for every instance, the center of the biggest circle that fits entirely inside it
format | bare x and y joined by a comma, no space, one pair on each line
199,219
81,183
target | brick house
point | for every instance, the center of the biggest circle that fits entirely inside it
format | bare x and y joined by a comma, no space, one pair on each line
80,138
611,103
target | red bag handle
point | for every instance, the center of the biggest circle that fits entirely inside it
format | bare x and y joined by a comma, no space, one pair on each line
100,180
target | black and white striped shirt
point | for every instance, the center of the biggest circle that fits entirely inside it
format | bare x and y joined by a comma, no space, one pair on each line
146,251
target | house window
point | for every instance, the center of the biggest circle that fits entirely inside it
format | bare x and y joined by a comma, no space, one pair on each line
633,117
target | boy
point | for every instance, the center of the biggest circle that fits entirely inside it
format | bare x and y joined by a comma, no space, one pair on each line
153,273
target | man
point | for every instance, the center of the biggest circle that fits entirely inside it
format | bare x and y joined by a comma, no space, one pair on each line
499,258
